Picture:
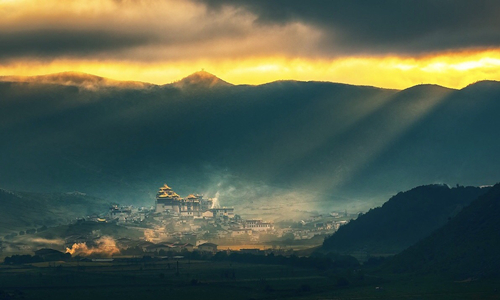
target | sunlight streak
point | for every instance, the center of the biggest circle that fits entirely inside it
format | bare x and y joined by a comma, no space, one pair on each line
376,139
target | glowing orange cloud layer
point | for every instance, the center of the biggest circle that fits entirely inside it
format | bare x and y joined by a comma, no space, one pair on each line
454,70
161,41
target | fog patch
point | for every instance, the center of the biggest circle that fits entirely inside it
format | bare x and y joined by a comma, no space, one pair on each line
43,241
259,200
104,246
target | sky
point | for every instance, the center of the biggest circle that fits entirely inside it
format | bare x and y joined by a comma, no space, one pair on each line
385,43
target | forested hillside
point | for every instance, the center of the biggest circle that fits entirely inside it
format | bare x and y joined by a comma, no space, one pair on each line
467,247
322,144
402,221
21,211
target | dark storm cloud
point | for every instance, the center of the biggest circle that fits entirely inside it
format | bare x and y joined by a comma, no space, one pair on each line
168,30
70,42
388,26
145,30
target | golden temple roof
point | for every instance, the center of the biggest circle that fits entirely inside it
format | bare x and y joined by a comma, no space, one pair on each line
165,187
167,192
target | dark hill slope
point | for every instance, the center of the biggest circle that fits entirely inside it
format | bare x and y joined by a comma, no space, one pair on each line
21,211
403,220
453,133
466,247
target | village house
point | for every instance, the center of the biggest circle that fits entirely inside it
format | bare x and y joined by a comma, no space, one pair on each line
258,225
120,213
223,212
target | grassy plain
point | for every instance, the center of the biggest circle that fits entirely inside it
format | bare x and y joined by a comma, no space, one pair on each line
221,280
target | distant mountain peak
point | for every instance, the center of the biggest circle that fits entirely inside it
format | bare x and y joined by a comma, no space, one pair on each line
201,79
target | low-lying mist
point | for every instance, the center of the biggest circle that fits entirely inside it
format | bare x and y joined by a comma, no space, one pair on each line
104,246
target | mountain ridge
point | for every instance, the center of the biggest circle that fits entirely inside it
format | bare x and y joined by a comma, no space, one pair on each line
199,79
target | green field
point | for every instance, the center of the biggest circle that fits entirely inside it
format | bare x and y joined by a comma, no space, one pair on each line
220,280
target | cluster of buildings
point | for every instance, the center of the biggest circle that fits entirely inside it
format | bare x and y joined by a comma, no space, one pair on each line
189,219
176,223
169,202
170,205
204,218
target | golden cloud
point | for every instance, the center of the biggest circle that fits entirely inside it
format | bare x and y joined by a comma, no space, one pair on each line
454,70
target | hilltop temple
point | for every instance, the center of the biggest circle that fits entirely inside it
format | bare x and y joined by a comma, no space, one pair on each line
169,202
